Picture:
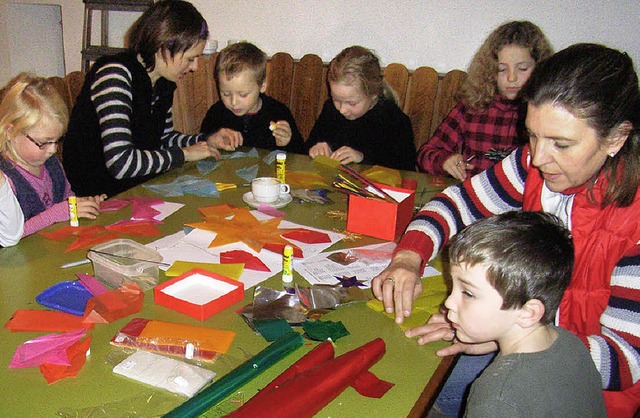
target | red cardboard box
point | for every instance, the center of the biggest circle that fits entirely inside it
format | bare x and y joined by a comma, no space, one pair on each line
379,218
199,293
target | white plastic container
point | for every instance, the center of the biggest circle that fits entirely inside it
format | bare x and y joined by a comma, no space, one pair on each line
124,266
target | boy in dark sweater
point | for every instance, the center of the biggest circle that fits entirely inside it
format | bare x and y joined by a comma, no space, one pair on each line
241,71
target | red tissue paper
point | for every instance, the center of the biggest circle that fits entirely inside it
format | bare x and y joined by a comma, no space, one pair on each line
317,379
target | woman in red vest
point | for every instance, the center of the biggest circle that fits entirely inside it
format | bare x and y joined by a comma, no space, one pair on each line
582,164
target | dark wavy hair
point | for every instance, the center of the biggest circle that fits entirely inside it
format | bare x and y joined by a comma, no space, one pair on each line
529,255
171,26
599,85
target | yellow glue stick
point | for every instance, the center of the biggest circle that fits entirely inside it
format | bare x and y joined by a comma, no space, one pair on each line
281,161
287,264
73,211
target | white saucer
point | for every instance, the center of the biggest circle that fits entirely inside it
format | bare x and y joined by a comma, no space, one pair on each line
282,201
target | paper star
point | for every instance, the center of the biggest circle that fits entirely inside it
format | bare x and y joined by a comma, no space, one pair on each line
243,227
350,281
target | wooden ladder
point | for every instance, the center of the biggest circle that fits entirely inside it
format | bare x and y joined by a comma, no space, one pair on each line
92,52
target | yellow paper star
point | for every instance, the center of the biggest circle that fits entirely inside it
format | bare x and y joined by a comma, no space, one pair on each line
243,227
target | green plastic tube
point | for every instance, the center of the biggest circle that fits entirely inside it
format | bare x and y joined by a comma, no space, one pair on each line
236,378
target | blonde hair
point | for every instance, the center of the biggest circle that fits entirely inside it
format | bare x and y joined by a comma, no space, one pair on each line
359,66
26,101
241,56
480,85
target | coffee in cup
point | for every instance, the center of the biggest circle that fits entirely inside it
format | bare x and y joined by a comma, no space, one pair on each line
268,189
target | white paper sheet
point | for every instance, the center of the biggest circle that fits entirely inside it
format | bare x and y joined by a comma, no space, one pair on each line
194,247
322,270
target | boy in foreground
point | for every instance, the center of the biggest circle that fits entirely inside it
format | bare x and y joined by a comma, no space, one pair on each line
241,75
509,273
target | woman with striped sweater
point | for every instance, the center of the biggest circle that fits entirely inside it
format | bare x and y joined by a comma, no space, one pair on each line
121,129
582,164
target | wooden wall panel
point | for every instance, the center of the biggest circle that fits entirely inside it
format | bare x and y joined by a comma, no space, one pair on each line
420,102
307,92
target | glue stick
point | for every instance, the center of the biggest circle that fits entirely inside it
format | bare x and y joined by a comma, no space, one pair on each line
73,211
281,161
287,264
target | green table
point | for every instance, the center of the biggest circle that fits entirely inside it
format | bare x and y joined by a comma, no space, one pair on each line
34,264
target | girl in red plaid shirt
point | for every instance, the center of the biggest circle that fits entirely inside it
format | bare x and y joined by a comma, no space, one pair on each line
488,122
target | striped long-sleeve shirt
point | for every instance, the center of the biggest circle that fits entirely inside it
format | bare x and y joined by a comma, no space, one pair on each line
111,94
616,349
121,129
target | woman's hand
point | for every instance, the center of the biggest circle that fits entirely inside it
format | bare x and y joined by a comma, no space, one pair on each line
438,328
457,166
399,284
199,151
89,206
347,155
321,148
226,139
281,132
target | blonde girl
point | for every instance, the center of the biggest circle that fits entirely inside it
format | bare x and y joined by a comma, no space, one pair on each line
488,122
33,117
361,121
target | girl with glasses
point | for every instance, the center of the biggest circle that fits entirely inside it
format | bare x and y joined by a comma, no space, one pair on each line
33,117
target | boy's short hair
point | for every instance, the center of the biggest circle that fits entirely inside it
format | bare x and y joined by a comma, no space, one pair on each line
241,56
529,255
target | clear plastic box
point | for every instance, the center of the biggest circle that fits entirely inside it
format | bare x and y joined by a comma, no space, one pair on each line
118,262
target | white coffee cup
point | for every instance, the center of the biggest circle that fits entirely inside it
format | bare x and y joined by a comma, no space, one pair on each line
268,189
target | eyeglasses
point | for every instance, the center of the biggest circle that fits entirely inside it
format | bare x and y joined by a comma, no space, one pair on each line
43,145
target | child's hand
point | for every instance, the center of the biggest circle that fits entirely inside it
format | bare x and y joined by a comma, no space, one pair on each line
281,131
2,179
226,139
321,148
200,151
89,207
457,167
347,155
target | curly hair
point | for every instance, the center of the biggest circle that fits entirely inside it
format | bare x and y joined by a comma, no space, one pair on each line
360,66
480,85
26,101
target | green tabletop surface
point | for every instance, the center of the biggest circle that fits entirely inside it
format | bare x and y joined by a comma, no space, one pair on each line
34,265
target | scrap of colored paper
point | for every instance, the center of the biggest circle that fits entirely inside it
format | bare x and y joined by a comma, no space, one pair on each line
243,227
206,166
326,161
308,236
208,338
346,281
219,211
110,205
252,153
142,227
306,180
324,330
272,329
32,320
427,304
279,248
111,306
91,284
225,186
383,175
233,271
93,238
271,157
185,185
250,261
77,355
142,207
267,209
50,348
248,173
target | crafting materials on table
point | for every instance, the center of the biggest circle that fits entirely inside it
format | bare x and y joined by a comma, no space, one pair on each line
129,258
378,191
73,211
287,264
233,380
